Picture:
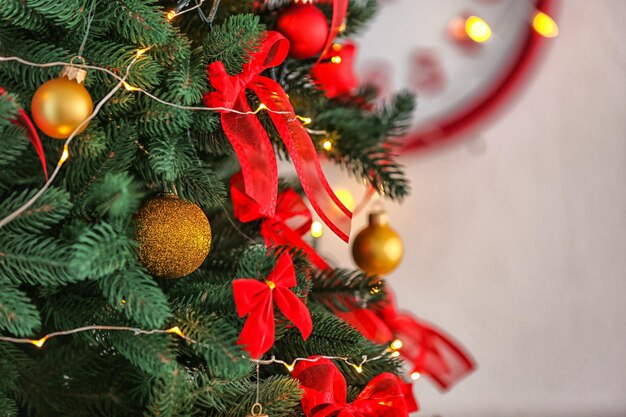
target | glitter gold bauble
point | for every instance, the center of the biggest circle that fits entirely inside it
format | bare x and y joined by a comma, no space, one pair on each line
377,249
174,236
61,104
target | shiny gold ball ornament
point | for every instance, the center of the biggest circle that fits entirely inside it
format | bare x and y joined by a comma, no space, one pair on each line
377,249
63,103
174,236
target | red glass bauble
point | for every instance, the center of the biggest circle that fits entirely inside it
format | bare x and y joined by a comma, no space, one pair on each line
306,28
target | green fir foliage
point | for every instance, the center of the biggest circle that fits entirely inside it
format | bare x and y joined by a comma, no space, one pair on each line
69,260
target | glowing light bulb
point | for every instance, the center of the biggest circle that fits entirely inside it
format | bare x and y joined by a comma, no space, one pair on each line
305,120
289,366
395,354
64,155
129,87
358,368
327,145
142,51
261,107
176,330
545,25
336,59
396,344
39,343
270,284
345,197
415,376
336,47
171,14
317,229
477,29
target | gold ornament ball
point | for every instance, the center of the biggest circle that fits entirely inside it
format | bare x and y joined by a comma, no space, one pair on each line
59,106
377,249
174,236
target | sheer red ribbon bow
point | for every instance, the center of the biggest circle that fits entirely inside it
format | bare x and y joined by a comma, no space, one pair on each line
429,349
24,121
291,220
252,145
256,299
325,393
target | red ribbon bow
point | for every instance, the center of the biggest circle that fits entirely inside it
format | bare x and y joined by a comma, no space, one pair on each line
252,145
325,393
257,299
33,136
291,220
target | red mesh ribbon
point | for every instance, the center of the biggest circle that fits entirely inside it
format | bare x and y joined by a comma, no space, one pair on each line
291,220
429,349
252,145
256,299
340,11
325,393
24,121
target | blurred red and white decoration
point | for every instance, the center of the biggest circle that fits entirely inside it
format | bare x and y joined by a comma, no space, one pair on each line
464,59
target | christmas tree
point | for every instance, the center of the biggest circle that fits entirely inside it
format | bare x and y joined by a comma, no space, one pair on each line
149,259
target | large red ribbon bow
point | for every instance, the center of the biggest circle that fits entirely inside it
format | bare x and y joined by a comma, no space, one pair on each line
33,136
325,393
251,142
256,299
291,220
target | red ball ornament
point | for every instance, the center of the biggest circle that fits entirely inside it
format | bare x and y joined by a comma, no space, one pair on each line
306,28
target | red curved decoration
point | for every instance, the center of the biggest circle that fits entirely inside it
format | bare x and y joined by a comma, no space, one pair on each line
485,107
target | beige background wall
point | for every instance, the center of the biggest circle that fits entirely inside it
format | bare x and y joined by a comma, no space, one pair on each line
516,242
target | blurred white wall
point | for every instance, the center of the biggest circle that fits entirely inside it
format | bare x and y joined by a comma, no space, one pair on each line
516,244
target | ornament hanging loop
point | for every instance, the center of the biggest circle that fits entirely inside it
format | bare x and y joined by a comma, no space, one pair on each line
257,411
71,72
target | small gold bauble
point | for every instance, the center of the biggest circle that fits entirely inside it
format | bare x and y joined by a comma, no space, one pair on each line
60,105
174,236
377,249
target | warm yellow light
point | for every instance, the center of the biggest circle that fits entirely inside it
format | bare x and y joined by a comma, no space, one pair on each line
270,284
142,51
415,376
317,229
64,155
171,14
261,107
545,25
336,59
345,197
336,47
305,120
395,354
477,29
358,368
39,343
396,344
290,366
129,87
176,330
327,145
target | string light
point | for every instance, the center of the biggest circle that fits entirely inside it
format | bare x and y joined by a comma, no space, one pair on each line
327,145
305,120
396,344
336,59
317,229
170,15
545,25
477,29
346,198
64,155
415,376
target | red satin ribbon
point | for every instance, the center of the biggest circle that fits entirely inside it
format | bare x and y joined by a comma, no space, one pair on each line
325,393
32,134
252,145
291,220
256,299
